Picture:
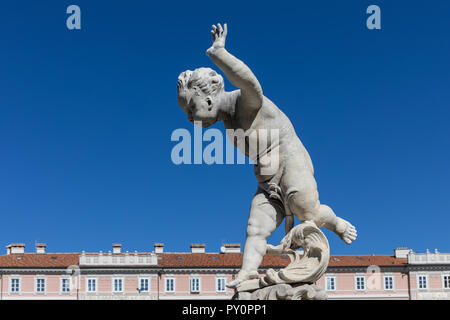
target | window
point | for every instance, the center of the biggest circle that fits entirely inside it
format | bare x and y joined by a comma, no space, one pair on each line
360,283
144,285
422,282
118,285
330,283
446,281
40,285
170,284
65,285
388,283
15,285
195,284
92,285
220,285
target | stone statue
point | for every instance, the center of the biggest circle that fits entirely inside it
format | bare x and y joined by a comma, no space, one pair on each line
289,190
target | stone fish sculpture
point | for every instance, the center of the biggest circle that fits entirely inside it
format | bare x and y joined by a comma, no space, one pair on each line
288,190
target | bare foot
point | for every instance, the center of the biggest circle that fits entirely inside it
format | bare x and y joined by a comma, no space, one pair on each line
346,231
242,276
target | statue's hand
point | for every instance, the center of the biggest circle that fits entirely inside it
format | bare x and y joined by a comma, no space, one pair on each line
219,35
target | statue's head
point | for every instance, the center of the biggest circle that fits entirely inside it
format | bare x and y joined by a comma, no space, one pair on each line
198,93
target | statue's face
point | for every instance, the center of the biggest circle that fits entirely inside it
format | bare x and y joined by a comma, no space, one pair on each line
198,107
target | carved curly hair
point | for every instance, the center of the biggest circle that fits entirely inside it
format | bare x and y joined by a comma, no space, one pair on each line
205,79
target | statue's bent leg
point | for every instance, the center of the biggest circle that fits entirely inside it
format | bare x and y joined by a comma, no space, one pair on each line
265,217
303,201
341,227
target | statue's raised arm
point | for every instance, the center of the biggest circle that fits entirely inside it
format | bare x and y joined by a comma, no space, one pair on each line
235,70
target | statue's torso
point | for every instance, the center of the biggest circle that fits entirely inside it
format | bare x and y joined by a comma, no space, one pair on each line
268,134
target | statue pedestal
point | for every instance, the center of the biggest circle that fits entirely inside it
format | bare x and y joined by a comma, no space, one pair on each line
294,282
284,292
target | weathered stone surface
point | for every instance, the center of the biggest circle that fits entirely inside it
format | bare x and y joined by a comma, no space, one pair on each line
283,170
294,281
284,292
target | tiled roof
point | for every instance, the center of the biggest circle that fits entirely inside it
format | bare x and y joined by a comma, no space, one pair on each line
366,260
195,260
235,260
39,260
180,260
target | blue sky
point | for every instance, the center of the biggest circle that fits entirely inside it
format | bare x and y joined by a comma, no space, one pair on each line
86,118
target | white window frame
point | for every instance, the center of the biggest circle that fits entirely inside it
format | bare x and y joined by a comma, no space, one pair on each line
364,282
149,281
327,278
418,281
36,280
166,279
11,278
191,282
61,284
448,281
393,282
87,284
224,279
113,286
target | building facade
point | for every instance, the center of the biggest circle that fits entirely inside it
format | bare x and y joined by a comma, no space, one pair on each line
198,274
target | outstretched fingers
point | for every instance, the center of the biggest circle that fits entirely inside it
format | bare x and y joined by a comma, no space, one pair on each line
218,34
214,33
218,31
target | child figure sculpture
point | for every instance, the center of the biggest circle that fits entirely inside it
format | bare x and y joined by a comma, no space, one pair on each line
291,189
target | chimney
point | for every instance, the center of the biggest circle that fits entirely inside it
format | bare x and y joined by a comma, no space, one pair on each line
40,247
159,247
117,248
401,252
231,248
198,248
14,248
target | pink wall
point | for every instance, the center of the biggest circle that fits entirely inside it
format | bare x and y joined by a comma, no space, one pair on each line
345,286
182,285
28,286
374,284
